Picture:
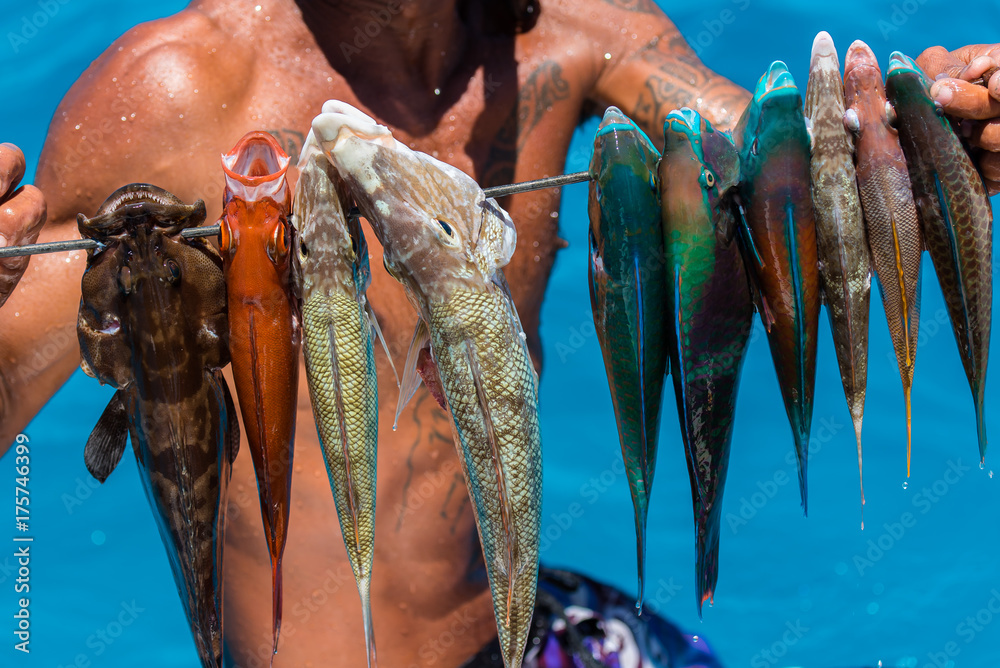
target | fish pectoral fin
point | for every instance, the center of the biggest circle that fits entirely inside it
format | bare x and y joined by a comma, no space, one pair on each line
373,321
411,379
752,264
107,442
233,426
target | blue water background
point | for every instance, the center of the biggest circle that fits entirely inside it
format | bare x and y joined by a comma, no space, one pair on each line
797,588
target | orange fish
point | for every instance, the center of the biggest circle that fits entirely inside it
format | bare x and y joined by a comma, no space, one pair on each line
264,330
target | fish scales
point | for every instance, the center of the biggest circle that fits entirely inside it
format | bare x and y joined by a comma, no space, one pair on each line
493,442
842,249
890,215
956,220
340,363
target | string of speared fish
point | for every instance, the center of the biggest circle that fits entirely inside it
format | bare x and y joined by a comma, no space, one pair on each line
213,230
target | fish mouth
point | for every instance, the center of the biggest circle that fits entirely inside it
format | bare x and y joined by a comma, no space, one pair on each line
823,46
616,121
684,120
859,54
255,168
143,200
777,81
900,62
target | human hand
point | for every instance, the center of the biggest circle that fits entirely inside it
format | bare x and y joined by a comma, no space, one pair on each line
22,214
967,85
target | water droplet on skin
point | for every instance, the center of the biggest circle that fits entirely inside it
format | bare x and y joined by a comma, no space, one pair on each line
240,488
607,56
257,8
298,468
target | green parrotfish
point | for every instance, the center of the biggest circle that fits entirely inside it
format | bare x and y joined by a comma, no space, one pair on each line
780,238
710,308
955,217
628,290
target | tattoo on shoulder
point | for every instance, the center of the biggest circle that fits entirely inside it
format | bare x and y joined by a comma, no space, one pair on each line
642,6
659,97
543,88
539,92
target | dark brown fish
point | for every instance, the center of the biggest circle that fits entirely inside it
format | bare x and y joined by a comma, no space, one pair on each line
153,325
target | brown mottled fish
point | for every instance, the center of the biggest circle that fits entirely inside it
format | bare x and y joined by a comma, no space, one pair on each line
153,325
841,248
890,215
446,243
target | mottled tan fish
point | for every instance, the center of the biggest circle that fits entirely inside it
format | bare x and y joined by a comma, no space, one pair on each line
841,248
446,243
338,324
890,215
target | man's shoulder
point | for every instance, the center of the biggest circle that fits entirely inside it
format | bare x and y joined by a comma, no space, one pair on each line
603,18
188,45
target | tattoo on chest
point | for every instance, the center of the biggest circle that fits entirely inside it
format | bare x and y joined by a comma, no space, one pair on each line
535,97
290,141
643,6
435,433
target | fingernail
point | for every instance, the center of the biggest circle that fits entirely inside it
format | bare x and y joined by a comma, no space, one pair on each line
3,241
942,95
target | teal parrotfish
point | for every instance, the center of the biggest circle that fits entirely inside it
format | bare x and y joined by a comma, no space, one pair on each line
955,217
780,239
628,289
710,309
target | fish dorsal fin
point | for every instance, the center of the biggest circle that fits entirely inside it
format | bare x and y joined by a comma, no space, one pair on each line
373,321
411,379
106,444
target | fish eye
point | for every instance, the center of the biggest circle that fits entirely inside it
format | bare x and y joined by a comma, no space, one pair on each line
890,113
173,271
707,178
354,245
125,280
754,147
303,249
277,249
851,121
444,226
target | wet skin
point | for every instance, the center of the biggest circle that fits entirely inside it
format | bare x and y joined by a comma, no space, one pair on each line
196,82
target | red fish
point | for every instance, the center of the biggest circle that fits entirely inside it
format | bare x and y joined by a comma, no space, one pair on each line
264,330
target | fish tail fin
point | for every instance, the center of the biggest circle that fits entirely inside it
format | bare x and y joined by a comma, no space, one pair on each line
909,436
640,548
364,589
861,475
275,606
802,455
979,391
708,562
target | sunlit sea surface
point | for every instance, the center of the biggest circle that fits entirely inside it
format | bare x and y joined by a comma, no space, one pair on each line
921,581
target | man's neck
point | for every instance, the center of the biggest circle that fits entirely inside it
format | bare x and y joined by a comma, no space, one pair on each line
399,47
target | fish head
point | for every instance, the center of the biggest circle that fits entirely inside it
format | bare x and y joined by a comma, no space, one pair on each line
867,107
438,231
143,263
901,64
619,137
330,245
824,53
146,222
700,166
256,204
774,113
